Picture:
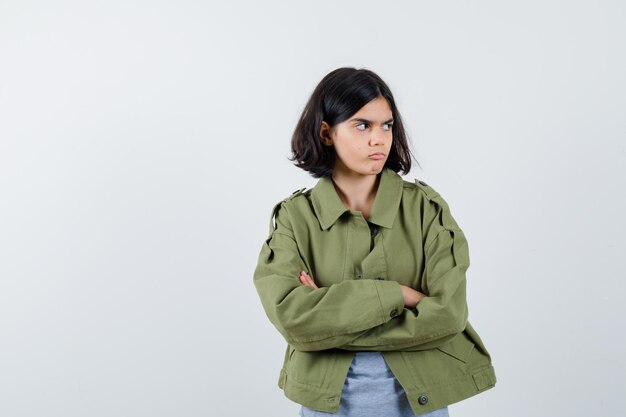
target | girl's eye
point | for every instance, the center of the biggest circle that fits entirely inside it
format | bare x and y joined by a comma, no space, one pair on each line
388,126
360,126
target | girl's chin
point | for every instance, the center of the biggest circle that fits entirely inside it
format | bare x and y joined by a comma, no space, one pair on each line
377,164
371,167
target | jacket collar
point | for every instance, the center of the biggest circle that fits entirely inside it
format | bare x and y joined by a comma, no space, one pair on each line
329,207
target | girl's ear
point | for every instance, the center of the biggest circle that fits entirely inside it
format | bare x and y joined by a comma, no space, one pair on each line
325,135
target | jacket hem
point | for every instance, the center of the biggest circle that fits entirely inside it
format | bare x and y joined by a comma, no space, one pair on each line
317,398
443,395
326,399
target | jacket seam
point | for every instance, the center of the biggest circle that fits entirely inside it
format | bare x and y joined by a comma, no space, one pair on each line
346,254
437,237
416,341
329,335
380,302
284,234
432,241
467,376
293,379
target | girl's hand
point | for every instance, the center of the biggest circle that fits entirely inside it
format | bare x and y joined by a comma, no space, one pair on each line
411,296
305,279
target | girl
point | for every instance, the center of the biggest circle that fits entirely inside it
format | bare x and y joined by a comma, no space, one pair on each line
364,274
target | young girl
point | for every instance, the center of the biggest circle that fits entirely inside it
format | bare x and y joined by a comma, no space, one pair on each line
364,274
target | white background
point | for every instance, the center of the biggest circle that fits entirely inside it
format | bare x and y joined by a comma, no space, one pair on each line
143,144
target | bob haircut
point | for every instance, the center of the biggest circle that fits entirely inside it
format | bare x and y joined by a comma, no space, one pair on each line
339,95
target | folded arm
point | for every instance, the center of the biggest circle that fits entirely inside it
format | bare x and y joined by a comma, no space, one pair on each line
439,316
317,319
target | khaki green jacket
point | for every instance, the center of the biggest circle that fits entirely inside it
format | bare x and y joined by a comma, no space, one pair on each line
433,351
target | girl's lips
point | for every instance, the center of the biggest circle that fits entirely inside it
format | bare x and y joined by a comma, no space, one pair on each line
377,156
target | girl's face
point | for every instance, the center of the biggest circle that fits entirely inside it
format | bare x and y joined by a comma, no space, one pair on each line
362,142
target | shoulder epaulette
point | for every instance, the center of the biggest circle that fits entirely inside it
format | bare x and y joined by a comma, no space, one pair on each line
295,193
277,207
428,190
447,220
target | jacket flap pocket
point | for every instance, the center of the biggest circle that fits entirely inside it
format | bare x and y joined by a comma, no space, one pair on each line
460,347
485,378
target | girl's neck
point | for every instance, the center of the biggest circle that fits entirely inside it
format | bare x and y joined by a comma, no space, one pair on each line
356,191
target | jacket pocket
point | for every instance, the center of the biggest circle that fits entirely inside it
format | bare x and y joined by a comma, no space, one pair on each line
310,368
460,347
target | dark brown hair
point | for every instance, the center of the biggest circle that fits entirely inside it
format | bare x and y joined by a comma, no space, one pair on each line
339,95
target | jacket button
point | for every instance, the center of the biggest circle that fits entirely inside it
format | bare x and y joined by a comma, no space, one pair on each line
393,312
359,276
373,230
380,278
423,399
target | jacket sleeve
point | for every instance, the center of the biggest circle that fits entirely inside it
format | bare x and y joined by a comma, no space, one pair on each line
316,319
443,313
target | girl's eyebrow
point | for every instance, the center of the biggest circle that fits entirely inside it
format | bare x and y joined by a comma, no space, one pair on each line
358,119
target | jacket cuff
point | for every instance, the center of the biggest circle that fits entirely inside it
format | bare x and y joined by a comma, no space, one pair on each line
391,299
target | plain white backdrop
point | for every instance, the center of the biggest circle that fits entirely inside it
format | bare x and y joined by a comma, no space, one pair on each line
144,143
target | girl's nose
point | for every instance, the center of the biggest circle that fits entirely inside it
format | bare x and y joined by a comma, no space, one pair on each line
378,137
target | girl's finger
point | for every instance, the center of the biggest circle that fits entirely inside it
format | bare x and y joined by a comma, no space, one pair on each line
304,281
306,278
